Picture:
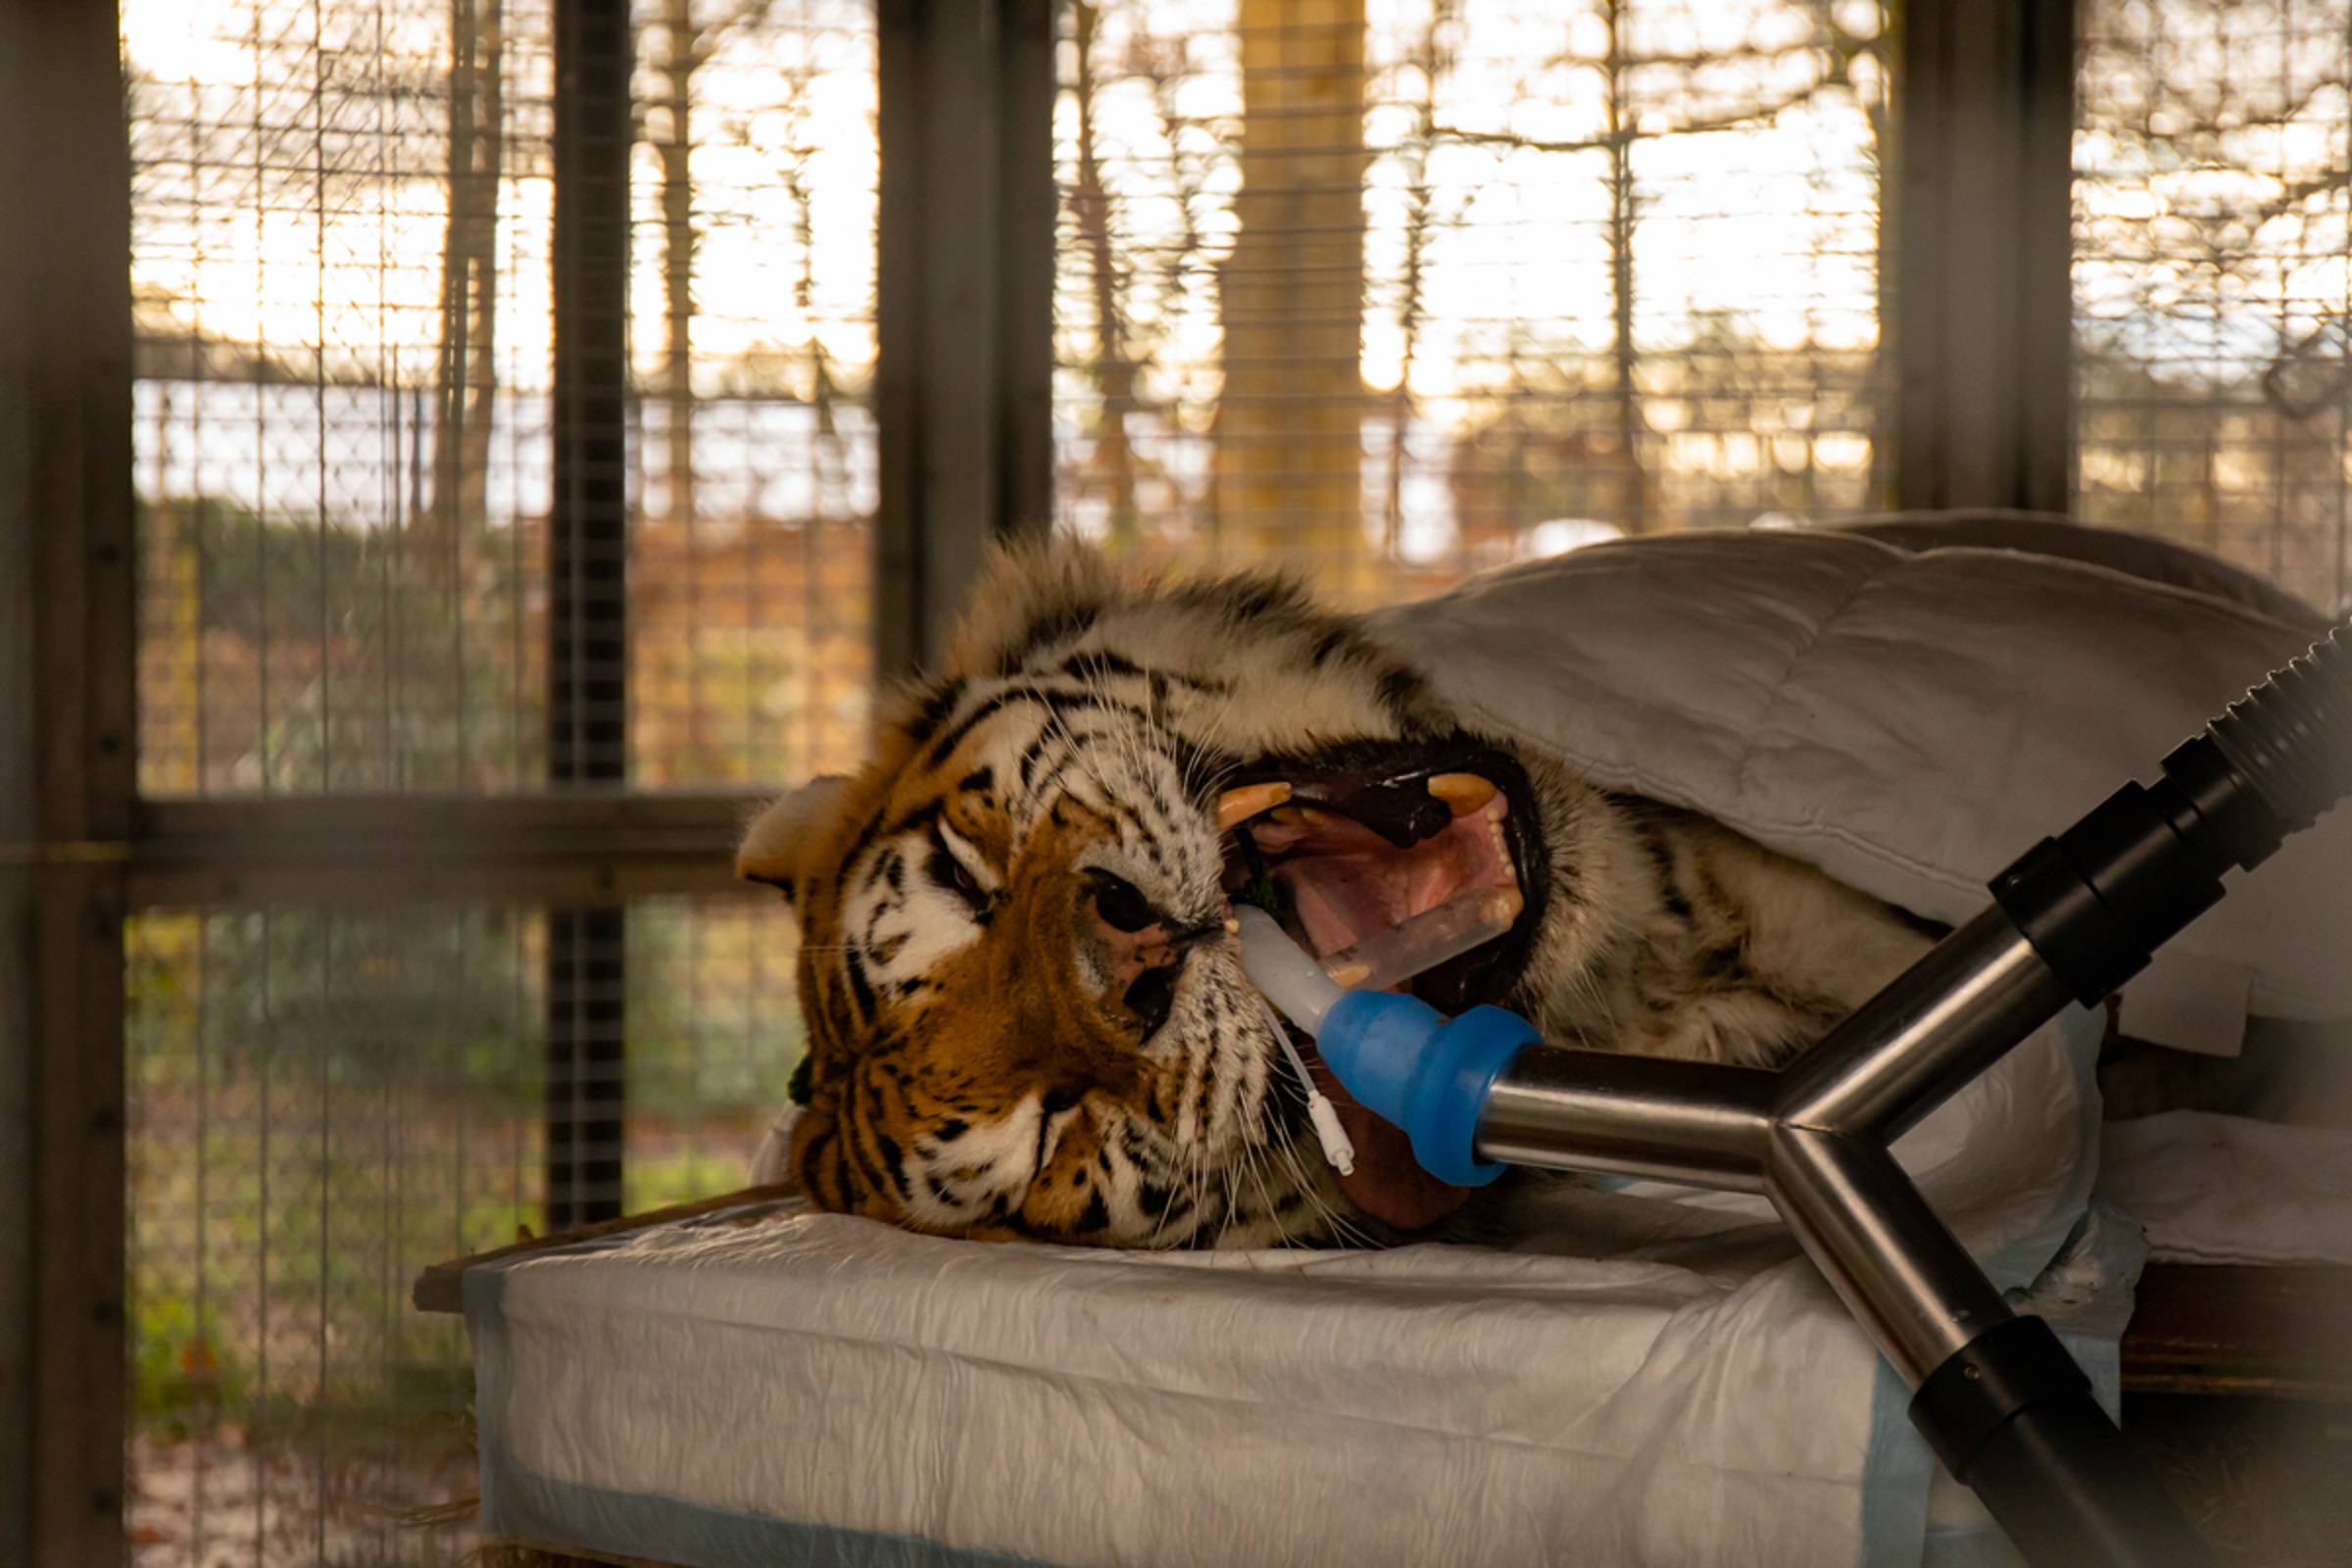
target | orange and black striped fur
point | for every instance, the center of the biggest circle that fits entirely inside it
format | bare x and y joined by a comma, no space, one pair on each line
1025,1014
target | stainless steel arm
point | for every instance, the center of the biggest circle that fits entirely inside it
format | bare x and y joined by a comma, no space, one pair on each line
1918,1042
1613,1115
1997,1398
1913,1287
1813,1138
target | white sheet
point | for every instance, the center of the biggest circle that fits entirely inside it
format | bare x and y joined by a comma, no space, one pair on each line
1683,1393
1430,1405
2215,1189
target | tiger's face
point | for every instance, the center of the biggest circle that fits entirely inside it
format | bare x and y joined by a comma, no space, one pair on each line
1025,1008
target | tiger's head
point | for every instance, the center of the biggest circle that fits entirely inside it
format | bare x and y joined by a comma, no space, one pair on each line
1025,1010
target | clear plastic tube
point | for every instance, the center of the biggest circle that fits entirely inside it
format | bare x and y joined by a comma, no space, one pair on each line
1393,957
1281,968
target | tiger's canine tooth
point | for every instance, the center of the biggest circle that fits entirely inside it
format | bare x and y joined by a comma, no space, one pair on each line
1462,793
1235,806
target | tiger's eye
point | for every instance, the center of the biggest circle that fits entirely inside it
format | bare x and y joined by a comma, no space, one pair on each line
1121,905
950,872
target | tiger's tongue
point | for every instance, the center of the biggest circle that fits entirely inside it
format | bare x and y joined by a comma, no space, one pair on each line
1388,1183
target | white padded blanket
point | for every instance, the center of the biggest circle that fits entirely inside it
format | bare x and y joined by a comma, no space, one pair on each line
820,1389
1656,1381
1910,723
1651,1382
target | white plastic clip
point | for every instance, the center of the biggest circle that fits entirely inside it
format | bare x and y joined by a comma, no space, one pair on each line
1321,1113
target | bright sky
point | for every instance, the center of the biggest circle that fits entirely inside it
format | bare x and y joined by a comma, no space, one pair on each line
1768,227
1523,241
797,97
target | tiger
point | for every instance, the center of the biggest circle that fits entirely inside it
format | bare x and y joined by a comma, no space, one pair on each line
1024,1008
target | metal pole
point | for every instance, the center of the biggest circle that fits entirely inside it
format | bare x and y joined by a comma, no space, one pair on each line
587,562
66,777
1979,308
964,279
1997,1396
1635,1116
1911,1047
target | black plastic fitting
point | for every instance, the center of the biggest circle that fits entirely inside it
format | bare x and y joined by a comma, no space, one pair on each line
2099,899
1985,1384
2010,1415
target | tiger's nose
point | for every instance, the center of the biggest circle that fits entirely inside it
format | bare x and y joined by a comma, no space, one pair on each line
1135,937
1145,947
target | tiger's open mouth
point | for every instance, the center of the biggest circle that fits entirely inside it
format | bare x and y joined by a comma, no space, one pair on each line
1372,840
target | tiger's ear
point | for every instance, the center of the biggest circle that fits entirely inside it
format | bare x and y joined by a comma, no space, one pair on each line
776,846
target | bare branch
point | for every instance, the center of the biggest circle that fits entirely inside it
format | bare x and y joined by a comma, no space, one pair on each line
1741,119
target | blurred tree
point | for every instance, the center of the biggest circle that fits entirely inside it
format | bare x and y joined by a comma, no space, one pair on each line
690,42
2213,224
1288,435
1427,59
1341,159
1115,369
468,377
1650,93
1137,268
688,48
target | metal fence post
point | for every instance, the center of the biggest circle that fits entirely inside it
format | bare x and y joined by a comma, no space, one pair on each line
66,777
963,304
1981,312
587,616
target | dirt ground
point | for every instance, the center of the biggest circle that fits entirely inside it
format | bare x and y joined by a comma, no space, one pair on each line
2263,1480
220,1502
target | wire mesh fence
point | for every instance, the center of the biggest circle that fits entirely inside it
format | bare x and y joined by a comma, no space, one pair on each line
714,1036
339,453
1399,288
319,1104
343,232
343,226
1392,289
752,301
324,1102
2213,280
